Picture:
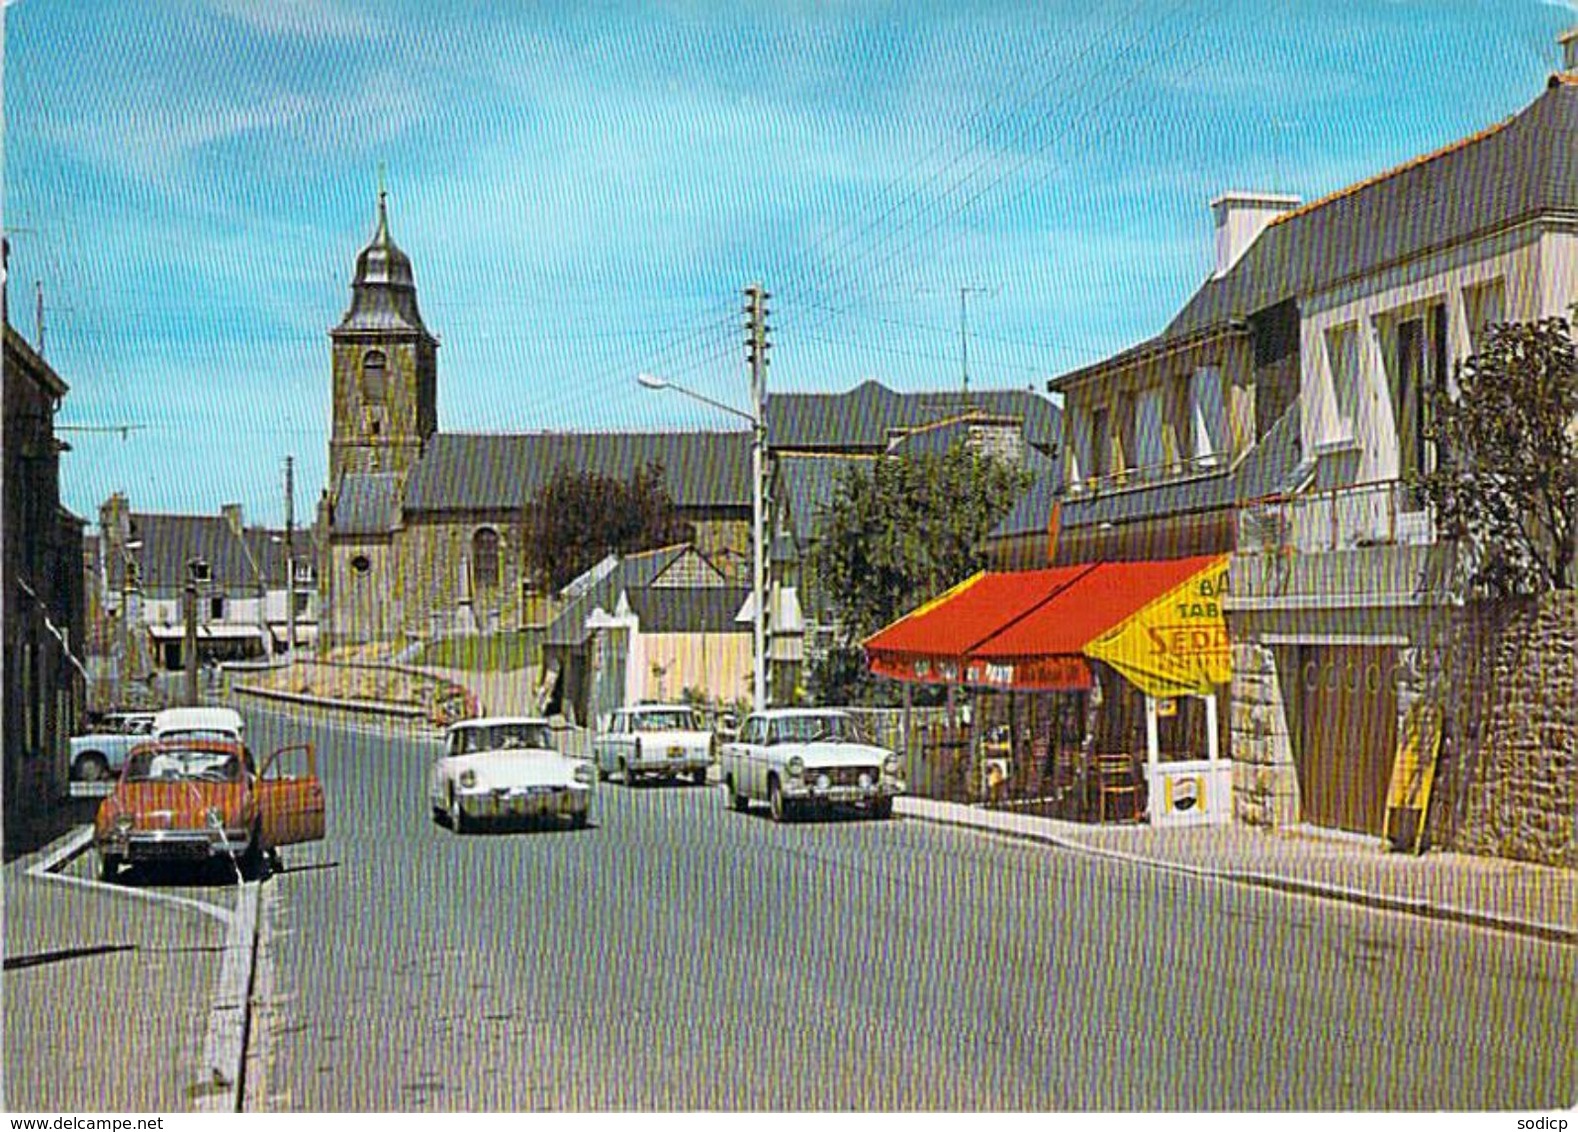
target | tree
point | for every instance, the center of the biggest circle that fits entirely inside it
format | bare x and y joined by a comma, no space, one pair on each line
579,518
1506,484
898,534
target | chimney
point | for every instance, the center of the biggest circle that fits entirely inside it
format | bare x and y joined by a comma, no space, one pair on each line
1569,41
232,514
1240,217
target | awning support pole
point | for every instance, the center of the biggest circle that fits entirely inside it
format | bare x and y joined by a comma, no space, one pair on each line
1212,734
1152,733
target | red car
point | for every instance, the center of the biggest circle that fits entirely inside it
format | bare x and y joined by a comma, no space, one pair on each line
196,798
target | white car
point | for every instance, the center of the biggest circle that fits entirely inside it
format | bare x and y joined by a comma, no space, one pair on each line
198,722
99,755
655,741
501,767
798,758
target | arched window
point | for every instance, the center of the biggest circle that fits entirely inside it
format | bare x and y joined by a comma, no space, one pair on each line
374,373
485,558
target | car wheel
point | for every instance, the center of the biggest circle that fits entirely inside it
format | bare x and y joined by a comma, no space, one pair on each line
626,773
782,809
739,803
579,819
92,767
602,773
699,777
109,868
882,809
439,816
457,816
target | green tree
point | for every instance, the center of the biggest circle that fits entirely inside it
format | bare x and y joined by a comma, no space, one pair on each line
579,518
1506,484
897,534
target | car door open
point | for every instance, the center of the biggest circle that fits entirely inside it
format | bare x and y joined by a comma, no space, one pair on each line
290,797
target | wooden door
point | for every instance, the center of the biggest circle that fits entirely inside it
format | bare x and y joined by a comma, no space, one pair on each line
1348,728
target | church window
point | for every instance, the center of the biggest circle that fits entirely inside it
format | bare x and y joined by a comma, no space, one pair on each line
374,374
485,557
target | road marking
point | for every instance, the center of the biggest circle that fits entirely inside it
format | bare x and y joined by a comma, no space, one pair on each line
76,843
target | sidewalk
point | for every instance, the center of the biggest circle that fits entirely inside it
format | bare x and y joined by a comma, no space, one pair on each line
1509,895
106,997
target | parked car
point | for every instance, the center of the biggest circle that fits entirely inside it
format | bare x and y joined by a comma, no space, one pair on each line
194,722
655,741
500,767
99,755
201,797
796,759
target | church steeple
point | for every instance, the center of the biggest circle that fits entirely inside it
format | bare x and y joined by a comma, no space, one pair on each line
383,292
385,365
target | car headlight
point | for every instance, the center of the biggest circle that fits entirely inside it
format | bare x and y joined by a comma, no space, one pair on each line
468,778
796,767
585,774
823,782
892,765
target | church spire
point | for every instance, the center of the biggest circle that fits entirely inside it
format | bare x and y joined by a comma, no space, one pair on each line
383,291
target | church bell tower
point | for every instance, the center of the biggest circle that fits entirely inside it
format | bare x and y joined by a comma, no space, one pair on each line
385,366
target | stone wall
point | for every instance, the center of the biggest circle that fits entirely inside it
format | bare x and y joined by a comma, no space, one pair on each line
1509,783
1265,782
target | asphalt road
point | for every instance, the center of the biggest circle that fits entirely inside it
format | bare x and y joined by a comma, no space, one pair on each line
680,956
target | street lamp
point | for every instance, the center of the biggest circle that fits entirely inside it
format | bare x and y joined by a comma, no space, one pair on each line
758,559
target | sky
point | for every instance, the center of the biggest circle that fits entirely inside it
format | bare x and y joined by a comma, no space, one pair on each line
585,189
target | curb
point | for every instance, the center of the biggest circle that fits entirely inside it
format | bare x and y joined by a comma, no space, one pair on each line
1550,933
230,1008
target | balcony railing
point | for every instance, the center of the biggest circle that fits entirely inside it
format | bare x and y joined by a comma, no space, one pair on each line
1381,513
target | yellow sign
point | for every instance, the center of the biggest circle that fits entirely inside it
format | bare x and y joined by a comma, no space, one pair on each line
1177,644
1413,775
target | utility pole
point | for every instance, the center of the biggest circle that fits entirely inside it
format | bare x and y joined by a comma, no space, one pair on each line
194,567
290,559
756,347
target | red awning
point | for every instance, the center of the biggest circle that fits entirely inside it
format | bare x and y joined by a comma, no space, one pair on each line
1038,639
930,643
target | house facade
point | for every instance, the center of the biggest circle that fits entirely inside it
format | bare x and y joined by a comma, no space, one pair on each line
250,604
1283,416
44,620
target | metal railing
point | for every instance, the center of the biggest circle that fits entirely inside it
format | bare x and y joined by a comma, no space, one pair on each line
1379,513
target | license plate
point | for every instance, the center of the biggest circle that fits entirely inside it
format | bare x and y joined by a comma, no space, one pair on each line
676,752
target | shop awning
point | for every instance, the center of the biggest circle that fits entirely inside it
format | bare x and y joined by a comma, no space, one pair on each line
931,644
1158,623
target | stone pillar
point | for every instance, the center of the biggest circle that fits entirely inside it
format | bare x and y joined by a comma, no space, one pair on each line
1265,783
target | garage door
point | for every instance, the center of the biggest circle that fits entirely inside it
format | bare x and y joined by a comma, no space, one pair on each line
1348,726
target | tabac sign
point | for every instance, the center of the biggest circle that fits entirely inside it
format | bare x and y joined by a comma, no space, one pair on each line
1177,644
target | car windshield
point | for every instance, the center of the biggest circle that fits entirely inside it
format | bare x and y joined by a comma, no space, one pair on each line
502,737
183,765
810,728
675,720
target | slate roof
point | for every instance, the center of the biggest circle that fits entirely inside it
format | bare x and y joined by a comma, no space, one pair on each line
236,565
706,609
1032,513
1513,171
865,417
805,484
479,472
368,504
632,571
1518,169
